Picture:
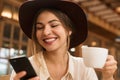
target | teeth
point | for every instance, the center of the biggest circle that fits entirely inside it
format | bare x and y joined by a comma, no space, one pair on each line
49,40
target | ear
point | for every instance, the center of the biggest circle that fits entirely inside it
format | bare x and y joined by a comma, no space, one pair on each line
70,32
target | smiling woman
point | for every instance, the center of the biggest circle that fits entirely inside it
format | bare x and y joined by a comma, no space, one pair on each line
55,27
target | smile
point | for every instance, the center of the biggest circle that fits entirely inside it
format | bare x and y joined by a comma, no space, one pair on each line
49,40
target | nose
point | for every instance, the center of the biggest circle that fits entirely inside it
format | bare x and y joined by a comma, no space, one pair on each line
47,30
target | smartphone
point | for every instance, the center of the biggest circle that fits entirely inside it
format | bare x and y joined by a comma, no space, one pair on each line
23,64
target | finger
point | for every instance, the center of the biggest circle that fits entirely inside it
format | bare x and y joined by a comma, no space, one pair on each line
110,63
110,67
110,57
109,70
19,75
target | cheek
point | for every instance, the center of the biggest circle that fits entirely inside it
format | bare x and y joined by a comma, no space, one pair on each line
62,33
38,35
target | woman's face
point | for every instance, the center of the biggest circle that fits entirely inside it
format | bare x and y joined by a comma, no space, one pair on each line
50,32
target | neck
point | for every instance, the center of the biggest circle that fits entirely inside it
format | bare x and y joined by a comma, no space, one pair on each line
57,63
56,58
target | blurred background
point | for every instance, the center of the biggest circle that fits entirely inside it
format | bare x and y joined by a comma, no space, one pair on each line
103,24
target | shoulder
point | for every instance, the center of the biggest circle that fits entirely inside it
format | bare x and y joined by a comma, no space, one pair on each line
78,62
77,59
82,69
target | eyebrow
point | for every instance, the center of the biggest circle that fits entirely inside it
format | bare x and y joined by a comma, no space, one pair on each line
49,21
53,21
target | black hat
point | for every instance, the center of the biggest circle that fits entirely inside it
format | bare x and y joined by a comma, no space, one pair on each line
29,9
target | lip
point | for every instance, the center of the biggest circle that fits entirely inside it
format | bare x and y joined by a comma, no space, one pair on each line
49,40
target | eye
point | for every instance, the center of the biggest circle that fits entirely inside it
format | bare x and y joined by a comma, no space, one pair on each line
39,26
55,25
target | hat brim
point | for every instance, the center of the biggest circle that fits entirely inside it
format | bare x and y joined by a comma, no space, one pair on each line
28,10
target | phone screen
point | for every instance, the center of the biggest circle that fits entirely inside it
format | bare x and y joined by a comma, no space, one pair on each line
23,64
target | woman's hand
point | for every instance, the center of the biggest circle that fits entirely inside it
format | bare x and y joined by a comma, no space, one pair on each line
23,73
109,68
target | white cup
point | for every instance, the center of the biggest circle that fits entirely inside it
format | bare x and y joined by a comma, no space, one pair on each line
94,57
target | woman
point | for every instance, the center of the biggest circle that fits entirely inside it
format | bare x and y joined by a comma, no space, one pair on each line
55,26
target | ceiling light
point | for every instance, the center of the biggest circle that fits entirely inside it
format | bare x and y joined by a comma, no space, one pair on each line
72,49
118,9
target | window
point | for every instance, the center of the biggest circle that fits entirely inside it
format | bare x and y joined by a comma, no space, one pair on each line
15,49
3,66
13,43
16,34
7,30
4,55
